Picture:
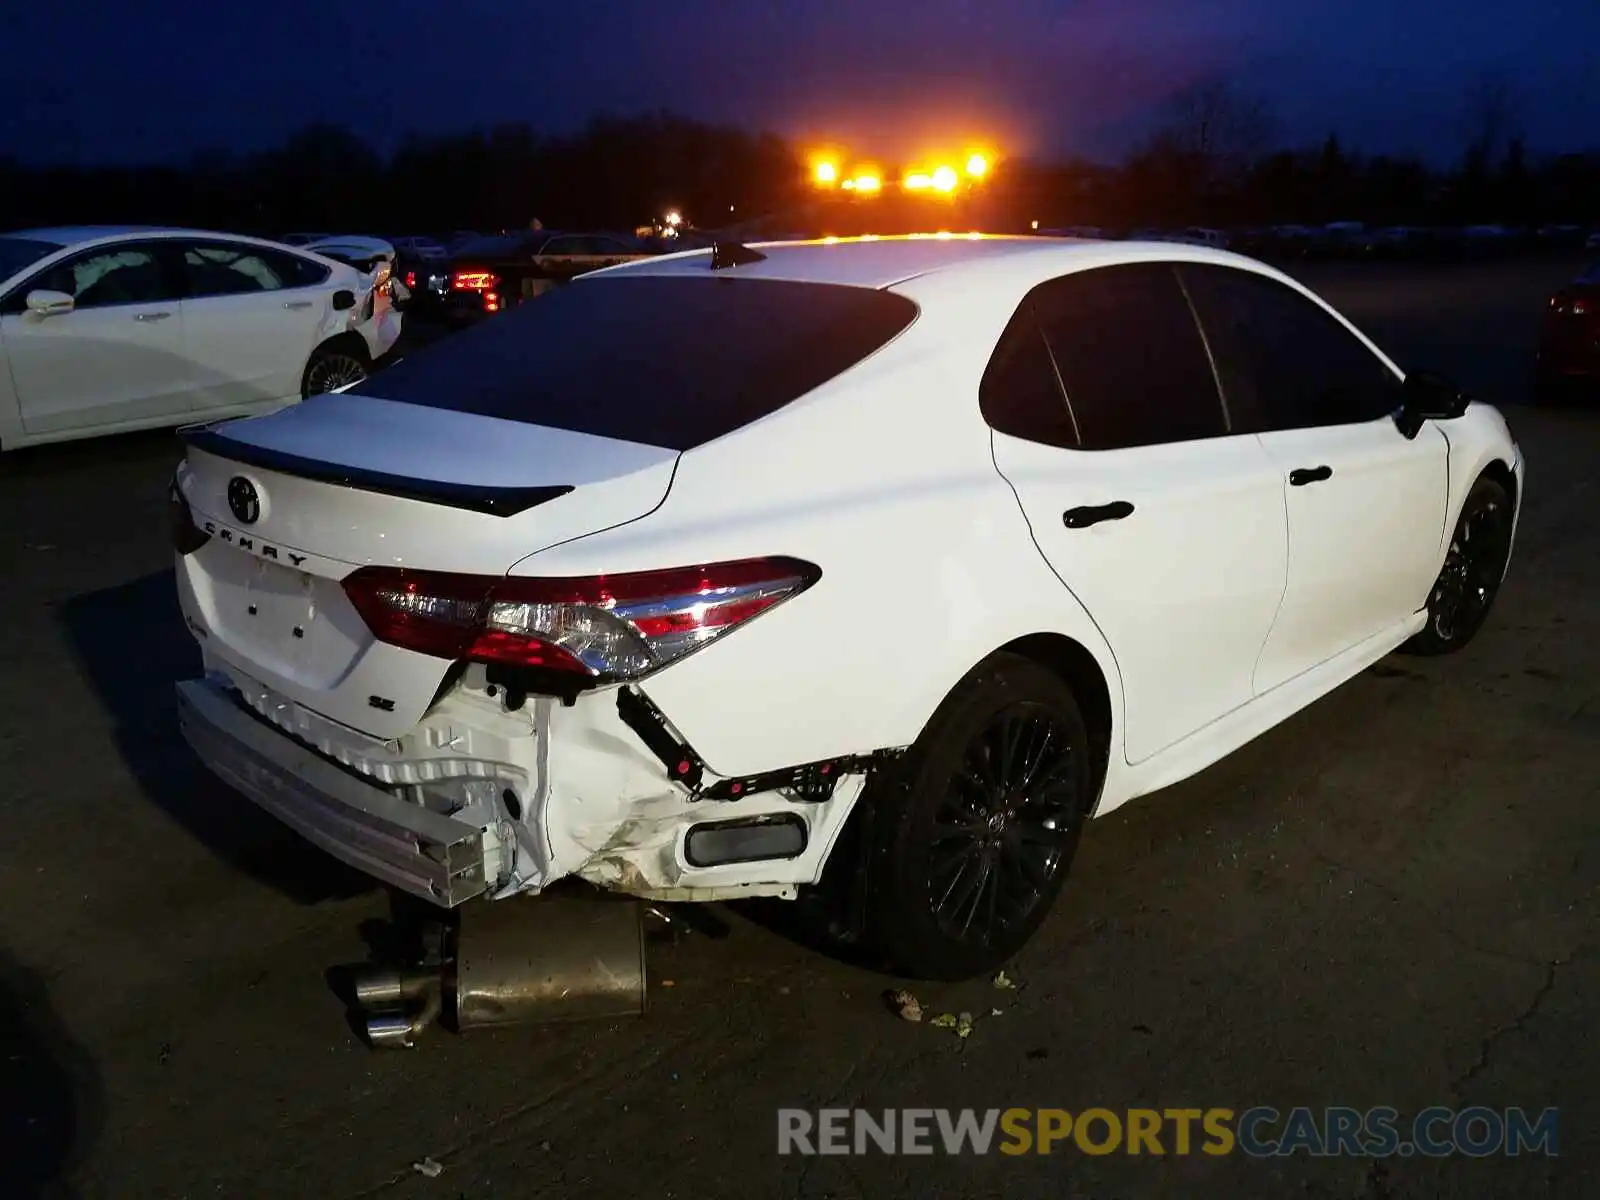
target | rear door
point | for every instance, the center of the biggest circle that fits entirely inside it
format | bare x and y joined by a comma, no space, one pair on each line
118,356
250,320
1366,504
1167,527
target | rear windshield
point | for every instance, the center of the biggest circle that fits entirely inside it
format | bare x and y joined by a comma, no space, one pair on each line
16,253
664,361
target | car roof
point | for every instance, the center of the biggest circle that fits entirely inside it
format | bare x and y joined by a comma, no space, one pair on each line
74,235
882,262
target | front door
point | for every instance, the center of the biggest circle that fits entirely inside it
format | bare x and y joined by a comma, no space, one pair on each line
1366,505
116,358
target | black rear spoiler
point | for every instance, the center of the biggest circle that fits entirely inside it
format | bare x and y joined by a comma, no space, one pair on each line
495,501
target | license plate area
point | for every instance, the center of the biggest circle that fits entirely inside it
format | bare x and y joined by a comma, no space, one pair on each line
300,626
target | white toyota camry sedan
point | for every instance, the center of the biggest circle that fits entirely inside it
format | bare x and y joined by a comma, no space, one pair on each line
105,330
675,578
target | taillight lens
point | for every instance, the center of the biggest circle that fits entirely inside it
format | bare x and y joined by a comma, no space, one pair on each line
187,537
411,279
474,281
606,627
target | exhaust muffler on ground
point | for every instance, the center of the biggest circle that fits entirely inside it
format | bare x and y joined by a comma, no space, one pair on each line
509,963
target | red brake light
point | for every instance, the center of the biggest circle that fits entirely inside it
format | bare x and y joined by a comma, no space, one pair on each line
605,627
474,281
491,302
411,279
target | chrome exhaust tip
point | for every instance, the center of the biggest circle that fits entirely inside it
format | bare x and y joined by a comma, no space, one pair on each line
395,1032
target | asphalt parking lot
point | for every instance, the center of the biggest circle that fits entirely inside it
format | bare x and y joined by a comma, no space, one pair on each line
1391,900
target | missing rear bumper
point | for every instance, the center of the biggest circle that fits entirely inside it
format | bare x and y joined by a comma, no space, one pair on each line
811,783
439,858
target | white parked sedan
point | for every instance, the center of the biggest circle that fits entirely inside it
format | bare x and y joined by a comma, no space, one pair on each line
105,330
968,539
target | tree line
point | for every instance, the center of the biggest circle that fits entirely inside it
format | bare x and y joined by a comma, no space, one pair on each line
1213,159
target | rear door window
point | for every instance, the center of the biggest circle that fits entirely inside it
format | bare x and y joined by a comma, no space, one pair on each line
232,269
1285,362
1130,357
664,361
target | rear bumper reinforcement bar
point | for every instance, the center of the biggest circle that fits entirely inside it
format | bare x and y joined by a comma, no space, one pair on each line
410,847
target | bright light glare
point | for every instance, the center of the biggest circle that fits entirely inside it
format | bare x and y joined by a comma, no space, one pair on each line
918,181
977,165
674,218
944,179
849,185
825,172
868,183
1036,224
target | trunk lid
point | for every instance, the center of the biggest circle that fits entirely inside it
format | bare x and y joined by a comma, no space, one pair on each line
297,500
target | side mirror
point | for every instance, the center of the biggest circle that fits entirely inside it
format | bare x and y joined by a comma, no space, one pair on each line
45,303
1427,396
344,300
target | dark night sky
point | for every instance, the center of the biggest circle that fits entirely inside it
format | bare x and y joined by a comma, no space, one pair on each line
105,80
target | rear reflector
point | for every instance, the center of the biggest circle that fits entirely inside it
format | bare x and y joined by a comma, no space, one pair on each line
750,839
603,627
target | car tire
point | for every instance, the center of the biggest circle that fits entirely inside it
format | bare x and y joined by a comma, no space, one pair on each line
1474,566
967,851
334,365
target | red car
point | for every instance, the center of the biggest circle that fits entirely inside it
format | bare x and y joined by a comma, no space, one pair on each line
1569,341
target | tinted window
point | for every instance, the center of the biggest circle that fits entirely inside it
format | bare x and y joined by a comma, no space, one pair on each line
17,253
1284,361
671,362
127,274
1019,394
224,269
1130,357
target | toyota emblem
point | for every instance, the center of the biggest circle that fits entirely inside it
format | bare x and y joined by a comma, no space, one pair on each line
243,500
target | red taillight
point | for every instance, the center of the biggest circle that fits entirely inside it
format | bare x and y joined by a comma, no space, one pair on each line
474,281
601,626
187,537
411,279
491,302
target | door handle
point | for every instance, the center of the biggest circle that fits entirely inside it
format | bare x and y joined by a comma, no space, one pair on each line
1301,476
155,316
1093,514
297,304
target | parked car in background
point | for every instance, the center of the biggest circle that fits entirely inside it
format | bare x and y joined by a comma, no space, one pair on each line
420,248
996,533
490,274
363,253
109,329
1568,365
303,239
